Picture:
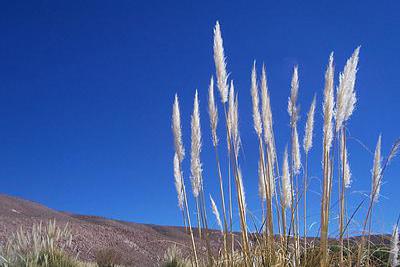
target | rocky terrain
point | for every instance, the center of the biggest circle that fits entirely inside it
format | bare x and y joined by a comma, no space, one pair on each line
136,244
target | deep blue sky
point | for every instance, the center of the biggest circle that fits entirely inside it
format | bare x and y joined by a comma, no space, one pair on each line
86,89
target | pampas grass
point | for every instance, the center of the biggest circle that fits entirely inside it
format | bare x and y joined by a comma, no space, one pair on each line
346,168
267,117
286,184
346,96
309,129
279,246
220,64
195,164
328,106
266,109
307,144
376,172
213,112
216,213
345,104
296,152
177,131
292,102
178,181
45,244
394,247
255,100
179,150
326,162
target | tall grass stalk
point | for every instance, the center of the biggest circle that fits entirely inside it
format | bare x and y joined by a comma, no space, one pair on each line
269,140
180,151
293,111
345,104
262,195
375,190
179,189
222,82
286,197
205,224
195,164
213,112
307,144
342,187
231,118
234,141
264,165
394,247
196,173
327,143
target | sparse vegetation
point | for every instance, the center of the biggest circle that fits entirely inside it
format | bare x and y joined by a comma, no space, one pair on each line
107,257
173,258
43,245
279,242
49,245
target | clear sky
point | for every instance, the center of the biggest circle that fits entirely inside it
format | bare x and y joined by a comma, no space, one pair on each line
86,89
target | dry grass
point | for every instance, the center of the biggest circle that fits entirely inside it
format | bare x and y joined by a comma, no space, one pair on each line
42,245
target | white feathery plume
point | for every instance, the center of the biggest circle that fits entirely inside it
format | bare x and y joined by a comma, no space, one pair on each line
195,164
376,172
255,100
296,152
292,108
220,64
271,181
394,247
308,133
346,167
242,190
393,151
216,213
286,185
328,104
346,96
261,181
178,181
233,119
177,130
266,108
267,118
213,112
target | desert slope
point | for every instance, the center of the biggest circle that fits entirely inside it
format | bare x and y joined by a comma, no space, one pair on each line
137,244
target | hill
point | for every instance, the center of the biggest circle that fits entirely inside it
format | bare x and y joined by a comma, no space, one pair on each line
136,244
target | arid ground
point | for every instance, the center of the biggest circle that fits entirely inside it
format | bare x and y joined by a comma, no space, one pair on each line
135,244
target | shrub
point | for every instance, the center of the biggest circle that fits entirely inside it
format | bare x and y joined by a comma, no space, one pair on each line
107,257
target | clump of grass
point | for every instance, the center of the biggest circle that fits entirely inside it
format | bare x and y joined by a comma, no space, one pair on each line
173,258
281,245
42,245
108,257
